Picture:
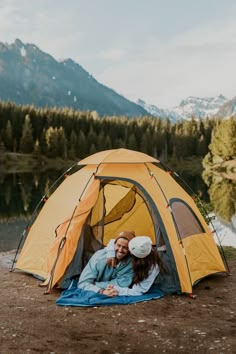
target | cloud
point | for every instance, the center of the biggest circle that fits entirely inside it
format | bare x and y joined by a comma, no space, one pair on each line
113,54
198,62
46,24
160,53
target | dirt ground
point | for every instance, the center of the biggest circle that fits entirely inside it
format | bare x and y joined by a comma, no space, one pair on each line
31,322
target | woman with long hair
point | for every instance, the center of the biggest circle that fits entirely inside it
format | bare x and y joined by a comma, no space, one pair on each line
146,265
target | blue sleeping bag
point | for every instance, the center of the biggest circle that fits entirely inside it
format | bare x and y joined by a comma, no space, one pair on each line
78,297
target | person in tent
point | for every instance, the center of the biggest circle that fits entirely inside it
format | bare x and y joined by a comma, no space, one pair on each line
97,274
146,266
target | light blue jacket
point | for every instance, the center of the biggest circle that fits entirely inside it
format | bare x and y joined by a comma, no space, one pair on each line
140,288
98,275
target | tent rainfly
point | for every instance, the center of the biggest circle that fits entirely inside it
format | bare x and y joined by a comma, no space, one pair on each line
117,190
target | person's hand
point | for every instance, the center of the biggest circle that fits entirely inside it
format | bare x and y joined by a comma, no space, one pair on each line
111,262
110,291
110,286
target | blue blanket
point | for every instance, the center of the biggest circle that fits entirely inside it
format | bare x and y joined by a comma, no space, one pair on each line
79,297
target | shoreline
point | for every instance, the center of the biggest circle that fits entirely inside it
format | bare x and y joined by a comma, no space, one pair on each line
6,259
225,234
23,163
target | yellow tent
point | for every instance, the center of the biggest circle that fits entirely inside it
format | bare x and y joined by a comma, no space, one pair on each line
117,190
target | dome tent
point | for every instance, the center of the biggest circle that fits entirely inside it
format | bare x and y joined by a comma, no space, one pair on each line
116,190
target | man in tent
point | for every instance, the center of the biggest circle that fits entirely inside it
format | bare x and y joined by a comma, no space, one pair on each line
97,274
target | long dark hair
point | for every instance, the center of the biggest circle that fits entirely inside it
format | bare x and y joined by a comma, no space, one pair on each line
142,266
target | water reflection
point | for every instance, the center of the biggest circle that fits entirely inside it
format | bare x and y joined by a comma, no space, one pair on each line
10,233
195,185
222,194
20,194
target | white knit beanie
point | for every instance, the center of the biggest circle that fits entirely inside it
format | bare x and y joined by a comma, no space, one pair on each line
140,246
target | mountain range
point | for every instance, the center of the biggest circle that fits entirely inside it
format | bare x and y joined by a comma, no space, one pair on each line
197,107
30,76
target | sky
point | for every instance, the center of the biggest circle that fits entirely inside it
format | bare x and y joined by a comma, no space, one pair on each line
161,51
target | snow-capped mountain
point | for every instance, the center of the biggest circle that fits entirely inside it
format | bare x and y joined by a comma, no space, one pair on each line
228,109
200,107
196,107
159,112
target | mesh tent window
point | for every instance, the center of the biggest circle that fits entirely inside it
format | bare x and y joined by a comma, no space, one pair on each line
185,219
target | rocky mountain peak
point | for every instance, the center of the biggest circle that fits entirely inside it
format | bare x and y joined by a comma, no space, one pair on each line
30,76
197,107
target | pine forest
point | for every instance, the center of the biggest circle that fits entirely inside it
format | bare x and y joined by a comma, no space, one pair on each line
70,134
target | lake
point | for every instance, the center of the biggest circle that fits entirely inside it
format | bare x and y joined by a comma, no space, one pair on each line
20,194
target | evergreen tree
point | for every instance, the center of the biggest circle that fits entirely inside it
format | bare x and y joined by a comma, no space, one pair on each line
62,143
43,142
92,149
223,195
92,138
132,143
144,144
81,145
100,141
201,147
223,144
52,142
72,146
8,136
26,141
37,150
209,125
157,142
118,144
190,137
2,150
166,131
107,143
